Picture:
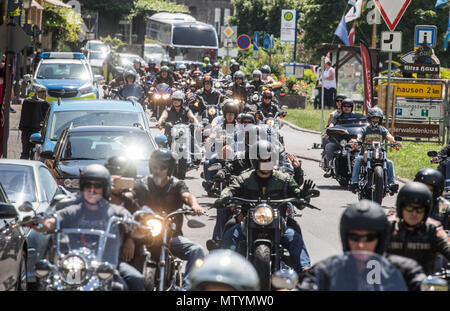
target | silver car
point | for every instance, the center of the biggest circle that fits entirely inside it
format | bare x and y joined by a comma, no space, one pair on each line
32,181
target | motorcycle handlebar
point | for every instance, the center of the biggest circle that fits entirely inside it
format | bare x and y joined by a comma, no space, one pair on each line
289,200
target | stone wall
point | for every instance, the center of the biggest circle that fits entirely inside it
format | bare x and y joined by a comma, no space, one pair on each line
204,10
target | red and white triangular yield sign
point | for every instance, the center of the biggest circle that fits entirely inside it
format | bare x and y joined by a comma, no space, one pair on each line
392,11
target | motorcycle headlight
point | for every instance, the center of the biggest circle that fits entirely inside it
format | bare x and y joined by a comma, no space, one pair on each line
270,122
156,96
155,226
105,271
236,101
71,183
212,111
42,268
255,97
263,215
343,143
166,96
74,270
217,85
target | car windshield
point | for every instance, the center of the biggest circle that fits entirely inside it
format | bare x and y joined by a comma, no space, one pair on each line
63,71
194,36
103,145
64,119
18,182
97,55
98,46
129,59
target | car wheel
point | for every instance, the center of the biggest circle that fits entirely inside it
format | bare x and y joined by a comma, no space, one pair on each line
22,276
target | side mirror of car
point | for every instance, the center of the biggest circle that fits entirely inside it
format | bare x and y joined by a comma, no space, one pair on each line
49,155
8,211
36,139
432,153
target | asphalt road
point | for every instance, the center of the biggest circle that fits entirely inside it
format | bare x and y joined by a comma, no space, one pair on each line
320,228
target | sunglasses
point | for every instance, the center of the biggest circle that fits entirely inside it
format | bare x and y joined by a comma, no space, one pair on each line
346,106
339,100
419,210
160,167
363,238
96,185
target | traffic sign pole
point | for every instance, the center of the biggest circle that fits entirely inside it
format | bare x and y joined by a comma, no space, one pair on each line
388,95
295,42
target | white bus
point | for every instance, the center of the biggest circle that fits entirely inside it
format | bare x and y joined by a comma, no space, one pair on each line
183,37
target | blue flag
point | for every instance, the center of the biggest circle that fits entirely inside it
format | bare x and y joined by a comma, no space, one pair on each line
447,34
341,31
440,3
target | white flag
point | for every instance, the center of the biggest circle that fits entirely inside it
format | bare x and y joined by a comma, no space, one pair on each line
354,12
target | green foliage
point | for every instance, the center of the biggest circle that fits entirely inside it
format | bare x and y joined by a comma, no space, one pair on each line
308,118
115,43
64,23
152,6
445,73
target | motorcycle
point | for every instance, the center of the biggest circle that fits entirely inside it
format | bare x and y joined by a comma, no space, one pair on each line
373,183
162,270
263,227
443,161
160,99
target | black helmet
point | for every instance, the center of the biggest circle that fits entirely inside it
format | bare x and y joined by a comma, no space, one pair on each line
216,65
235,67
375,112
197,75
172,64
365,215
416,193
432,177
229,106
151,62
224,267
238,74
209,67
265,69
263,150
165,68
247,116
340,96
120,165
99,173
348,101
163,157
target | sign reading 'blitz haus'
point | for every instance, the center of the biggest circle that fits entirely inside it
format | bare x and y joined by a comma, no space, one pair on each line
421,68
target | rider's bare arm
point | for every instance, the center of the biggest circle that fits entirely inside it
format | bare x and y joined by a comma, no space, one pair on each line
163,117
391,139
191,200
192,118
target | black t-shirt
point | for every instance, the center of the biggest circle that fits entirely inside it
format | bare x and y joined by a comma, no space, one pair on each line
370,134
78,216
166,199
175,117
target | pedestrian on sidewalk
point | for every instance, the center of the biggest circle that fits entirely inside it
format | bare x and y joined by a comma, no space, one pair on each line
33,114
329,83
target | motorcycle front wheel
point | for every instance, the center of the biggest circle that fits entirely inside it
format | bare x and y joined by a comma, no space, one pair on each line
262,265
181,169
378,184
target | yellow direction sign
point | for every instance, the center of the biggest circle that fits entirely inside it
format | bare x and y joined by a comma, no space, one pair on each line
418,90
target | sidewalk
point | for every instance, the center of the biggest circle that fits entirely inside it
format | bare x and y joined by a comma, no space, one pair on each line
14,141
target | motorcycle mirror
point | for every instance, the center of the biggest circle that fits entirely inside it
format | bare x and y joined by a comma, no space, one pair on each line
58,198
26,207
432,153
105,87
434,283
193,223
285,279
314,193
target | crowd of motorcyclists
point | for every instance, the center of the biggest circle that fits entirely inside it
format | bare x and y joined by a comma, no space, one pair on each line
259,189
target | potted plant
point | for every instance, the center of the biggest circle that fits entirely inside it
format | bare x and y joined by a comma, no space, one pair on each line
293,92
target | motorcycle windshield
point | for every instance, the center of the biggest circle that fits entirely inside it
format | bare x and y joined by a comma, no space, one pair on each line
131,90
360,271
104,247
162,88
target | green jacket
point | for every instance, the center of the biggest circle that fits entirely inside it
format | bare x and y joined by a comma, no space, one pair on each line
280,186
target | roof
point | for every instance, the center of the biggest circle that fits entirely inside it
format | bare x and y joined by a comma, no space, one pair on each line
102,128
21,162
58,3
172,17
96,105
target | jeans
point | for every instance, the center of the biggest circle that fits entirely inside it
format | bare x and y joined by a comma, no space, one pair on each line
133,278
184,249
291,240
223,214
330,148
359,161
209,175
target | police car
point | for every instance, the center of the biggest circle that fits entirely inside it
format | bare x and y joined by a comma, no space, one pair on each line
64,75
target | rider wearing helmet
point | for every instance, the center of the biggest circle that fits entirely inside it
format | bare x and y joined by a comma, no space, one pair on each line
131,86
265,69
210,95
192,68
215,72
434,180
257,79
374,132
363,227
267,106
182,70
173,71
197,76
338,100
224,270
265,181
208,68
163,192
239,87
413,233
138,68
94,212
164,76
234,67
152,68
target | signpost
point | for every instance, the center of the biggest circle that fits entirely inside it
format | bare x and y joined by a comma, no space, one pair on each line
418,90
418,110
243,42
392,12
288,32
417,130
255,44
421,68
425,32
268,46
391,41
229,35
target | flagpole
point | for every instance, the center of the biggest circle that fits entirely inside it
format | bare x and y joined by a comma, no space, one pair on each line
374,31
